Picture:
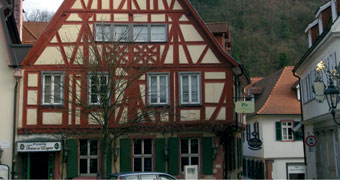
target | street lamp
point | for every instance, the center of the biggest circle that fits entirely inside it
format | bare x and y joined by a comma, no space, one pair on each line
332,92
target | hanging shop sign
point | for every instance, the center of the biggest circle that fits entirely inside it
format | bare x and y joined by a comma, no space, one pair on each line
311,141
244,107
38,146
255,143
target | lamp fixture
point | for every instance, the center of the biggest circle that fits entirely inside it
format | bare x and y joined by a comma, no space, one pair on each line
166,152
214,151
331,93
66,150
116,150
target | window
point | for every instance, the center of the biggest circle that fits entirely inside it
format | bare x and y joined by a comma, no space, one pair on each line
165,177
190,88
140,33
189,152
131,32
52,88
103,32
142,155
98,89
158,33
287,130
121,33
158,88
88,157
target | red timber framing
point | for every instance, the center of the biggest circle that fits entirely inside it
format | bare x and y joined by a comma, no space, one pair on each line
177,14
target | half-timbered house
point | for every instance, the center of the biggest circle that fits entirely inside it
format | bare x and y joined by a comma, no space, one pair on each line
189,74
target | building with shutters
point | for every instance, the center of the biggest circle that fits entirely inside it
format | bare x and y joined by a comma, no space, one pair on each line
323,159
277,112
192,77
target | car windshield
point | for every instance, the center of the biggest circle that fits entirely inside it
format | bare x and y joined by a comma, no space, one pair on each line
165,177
148,177
129,177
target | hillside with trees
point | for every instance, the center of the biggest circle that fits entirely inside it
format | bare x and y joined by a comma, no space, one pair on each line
266,34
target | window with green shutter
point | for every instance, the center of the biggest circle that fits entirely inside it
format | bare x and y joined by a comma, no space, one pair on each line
159,154
278,131
207,155
125,155
72,158
173,156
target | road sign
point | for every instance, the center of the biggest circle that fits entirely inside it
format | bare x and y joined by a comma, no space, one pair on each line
311,141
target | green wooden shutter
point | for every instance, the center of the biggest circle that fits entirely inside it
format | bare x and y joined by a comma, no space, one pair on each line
159,154
173,156
108,159
207,162
125,155
278,131
72,158
298,136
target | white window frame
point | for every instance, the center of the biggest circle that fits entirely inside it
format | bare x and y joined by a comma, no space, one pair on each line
103,35
190,155
53,75
142,155
130,32
285,127
89,87
199,88
88,157
158,74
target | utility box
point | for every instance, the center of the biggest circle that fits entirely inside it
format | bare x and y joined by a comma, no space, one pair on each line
191,172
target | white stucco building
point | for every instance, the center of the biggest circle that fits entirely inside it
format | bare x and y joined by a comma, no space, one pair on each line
324,45
277,112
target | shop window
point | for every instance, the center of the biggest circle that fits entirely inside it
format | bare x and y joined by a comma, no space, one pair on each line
190,154
88,157
142,155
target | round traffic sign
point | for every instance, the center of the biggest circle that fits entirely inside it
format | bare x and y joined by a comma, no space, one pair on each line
311,141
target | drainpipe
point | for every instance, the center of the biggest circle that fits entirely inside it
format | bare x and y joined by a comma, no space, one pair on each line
17,75
302,127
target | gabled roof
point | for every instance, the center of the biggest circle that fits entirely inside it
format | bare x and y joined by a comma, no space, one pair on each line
31,31
278,96
217,48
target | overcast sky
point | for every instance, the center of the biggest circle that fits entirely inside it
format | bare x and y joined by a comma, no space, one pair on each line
50,5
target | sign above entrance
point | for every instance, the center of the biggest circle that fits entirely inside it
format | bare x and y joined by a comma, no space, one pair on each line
38,146
244,107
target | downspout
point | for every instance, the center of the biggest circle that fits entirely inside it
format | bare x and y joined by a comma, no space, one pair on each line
302,127
17,75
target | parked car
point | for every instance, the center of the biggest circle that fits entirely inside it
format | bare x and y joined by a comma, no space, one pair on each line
142,176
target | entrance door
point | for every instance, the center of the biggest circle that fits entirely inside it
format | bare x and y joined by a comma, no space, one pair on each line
39,165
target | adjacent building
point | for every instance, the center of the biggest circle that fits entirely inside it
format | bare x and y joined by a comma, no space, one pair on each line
271,149
324,45
191,77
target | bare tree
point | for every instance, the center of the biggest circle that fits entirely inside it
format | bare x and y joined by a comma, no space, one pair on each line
115,104
38,15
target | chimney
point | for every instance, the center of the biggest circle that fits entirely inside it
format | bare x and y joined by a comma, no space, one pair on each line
222,35
18,15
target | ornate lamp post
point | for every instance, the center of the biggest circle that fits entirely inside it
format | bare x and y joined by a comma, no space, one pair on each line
332,92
